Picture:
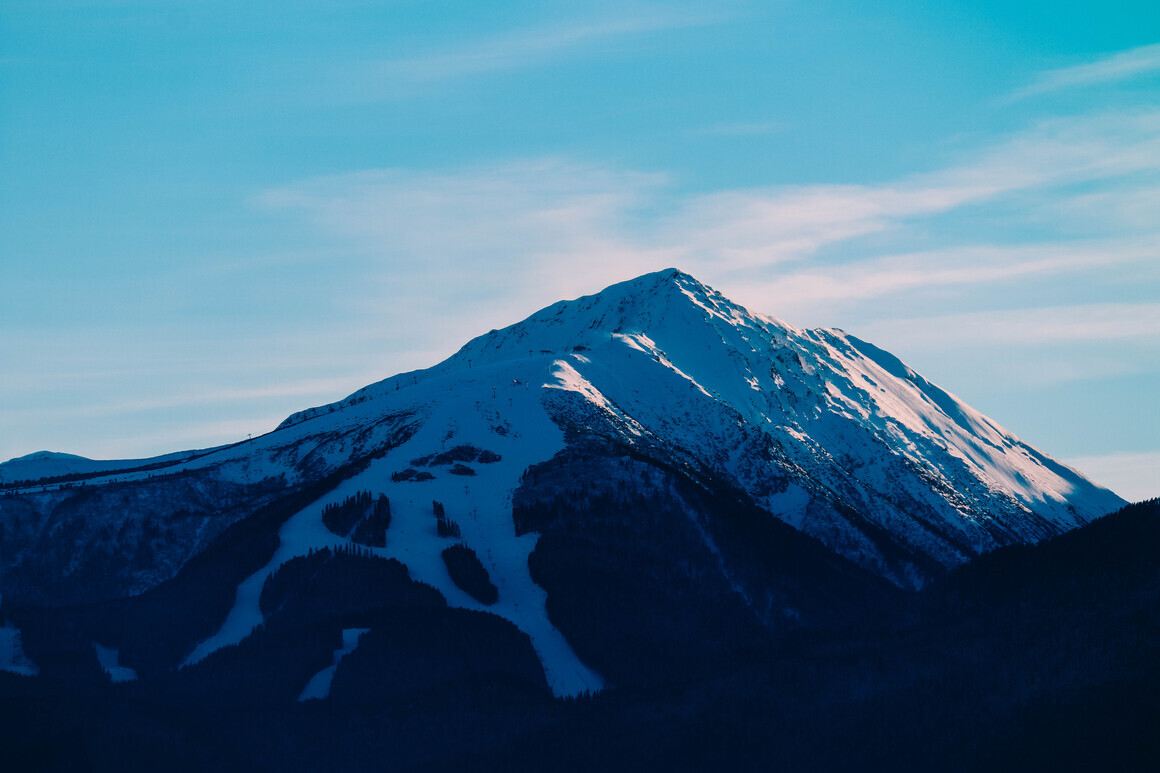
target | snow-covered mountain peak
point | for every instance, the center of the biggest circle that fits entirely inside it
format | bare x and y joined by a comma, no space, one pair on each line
645,305
664,306
797,417
818,428
658,388
668,358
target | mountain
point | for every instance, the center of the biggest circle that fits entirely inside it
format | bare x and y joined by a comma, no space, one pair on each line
657,391
650,494
828,433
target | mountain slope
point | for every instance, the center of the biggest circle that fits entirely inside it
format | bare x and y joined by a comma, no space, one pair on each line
653,452
827,432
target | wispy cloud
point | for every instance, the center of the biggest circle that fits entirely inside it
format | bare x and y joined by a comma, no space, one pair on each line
544,207
1060,324
488,237
1134,476
315,388
1118,66
1131,208
205,434
1029,351
958,267
515,50
510,227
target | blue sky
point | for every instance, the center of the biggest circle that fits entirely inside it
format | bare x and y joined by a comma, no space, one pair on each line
213,214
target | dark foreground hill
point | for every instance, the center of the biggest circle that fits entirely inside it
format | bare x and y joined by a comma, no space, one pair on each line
1029,659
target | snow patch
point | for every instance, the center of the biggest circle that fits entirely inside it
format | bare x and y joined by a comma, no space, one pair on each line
110,662
319,685
565,377
475,403
12,657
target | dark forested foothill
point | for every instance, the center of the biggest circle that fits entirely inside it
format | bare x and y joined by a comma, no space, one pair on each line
712,541
651,580
1040,658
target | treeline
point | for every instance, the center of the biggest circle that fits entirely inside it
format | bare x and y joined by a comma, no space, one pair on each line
649,581
343,580
461,453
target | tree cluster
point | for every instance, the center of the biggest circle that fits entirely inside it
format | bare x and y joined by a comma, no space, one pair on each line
361,517
468,572
444,526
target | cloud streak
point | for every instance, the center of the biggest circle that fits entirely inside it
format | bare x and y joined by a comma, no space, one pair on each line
1116,67
1134,476
955,267
562,227
965,270
515,50
1022,327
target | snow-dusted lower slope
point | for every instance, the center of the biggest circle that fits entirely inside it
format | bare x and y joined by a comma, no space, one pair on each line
496,412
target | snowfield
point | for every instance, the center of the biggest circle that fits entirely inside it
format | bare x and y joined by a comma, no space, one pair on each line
492,410
12,657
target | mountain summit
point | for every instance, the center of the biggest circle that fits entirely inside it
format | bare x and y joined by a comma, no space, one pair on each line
824,431
645,446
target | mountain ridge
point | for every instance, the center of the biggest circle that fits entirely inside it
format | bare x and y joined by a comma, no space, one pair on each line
826,417
643,496
728,429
